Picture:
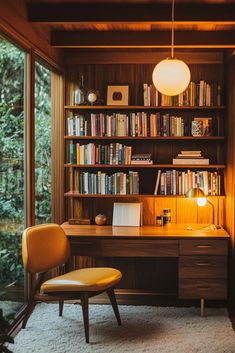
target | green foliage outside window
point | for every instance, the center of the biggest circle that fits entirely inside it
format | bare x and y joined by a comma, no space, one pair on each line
11,159
42,144
12,127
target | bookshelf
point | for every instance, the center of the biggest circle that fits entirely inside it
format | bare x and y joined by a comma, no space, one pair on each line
162,148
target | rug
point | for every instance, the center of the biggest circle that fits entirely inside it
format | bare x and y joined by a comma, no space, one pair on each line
145,329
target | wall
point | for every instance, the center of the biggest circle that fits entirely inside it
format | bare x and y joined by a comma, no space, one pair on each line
13,22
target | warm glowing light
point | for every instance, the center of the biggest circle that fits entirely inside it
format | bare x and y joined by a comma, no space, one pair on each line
171,76
201,201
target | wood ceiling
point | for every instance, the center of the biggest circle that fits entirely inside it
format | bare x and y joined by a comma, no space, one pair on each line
135,24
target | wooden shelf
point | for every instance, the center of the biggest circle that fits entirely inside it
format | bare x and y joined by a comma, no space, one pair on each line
148,166
129,107
144,137
74,194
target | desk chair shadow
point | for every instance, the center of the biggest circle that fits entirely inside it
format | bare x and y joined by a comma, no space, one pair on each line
45,247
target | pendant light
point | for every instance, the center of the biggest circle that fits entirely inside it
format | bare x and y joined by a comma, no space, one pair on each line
171,76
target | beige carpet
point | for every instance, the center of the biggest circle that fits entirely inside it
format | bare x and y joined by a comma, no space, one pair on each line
145,329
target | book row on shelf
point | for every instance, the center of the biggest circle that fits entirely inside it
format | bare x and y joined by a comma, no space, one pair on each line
199,94
174,182
91,153
138,124
112,154
101,183
169,182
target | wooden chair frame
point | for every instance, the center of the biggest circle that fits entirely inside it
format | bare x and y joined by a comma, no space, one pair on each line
36,296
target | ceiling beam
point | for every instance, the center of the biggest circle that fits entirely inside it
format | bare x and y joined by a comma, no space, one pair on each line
130,12
142,39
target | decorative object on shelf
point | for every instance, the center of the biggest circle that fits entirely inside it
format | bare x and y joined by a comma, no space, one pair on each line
92,96
171,76
100,219
79,94
199,194
118,95
202,126
166,215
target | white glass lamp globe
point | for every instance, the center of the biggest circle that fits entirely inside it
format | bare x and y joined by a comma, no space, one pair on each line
171,76
201,201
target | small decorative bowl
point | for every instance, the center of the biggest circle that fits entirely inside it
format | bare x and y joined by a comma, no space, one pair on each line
100,219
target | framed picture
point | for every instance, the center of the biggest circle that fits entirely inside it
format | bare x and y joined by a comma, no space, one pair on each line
127,214
118,95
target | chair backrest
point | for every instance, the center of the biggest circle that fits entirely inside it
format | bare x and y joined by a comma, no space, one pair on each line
43,247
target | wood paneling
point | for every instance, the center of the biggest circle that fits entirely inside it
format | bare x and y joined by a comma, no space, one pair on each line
129,12
142,39
57,102
230,175
99,76
13,22
82,56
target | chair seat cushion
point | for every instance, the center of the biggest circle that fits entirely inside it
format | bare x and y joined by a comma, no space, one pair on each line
86,279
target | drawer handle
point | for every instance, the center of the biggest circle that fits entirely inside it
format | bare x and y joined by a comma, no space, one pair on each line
203,287
202,263
203,246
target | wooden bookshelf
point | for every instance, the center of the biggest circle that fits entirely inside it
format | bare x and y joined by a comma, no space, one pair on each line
162,148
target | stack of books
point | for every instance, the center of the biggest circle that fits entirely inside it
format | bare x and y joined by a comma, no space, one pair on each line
142,158
190,157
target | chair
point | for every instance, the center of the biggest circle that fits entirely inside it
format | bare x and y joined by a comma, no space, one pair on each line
45,247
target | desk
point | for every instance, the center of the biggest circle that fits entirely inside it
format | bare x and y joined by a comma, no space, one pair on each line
201,254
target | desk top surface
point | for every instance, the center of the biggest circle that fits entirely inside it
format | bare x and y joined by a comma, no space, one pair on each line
169,231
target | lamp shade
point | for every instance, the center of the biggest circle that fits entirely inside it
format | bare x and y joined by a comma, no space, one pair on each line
195,192
171,76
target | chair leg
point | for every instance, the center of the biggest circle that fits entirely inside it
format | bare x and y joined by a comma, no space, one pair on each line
28,312
84,302
61,306
113,301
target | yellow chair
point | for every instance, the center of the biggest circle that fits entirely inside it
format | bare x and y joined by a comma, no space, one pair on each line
45,247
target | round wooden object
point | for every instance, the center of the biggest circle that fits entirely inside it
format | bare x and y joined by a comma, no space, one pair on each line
100,219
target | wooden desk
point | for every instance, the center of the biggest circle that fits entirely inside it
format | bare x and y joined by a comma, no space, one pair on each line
200,254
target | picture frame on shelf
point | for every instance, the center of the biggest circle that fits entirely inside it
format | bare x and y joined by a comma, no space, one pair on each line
117,95
127,214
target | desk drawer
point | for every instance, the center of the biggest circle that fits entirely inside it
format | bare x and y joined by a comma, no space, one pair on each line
203,288
203,247
125,247
203,267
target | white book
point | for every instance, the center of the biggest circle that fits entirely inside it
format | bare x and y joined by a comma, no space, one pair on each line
157,182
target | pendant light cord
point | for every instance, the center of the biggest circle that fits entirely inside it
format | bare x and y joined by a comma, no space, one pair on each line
172,28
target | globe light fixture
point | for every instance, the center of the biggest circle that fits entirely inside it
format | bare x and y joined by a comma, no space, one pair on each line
171,76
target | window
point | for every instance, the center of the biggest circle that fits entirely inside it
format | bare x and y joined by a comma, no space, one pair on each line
12,190
43,132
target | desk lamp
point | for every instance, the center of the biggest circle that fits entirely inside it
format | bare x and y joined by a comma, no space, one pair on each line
199,194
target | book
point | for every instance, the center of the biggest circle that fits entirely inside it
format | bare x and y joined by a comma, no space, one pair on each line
198,161
127,214
157,182
191,152
141,161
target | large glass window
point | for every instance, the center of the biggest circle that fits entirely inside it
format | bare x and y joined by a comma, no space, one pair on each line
43,126
12,195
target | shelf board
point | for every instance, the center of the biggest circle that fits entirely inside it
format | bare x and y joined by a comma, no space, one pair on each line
74,194
144,138
146,166
129,107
